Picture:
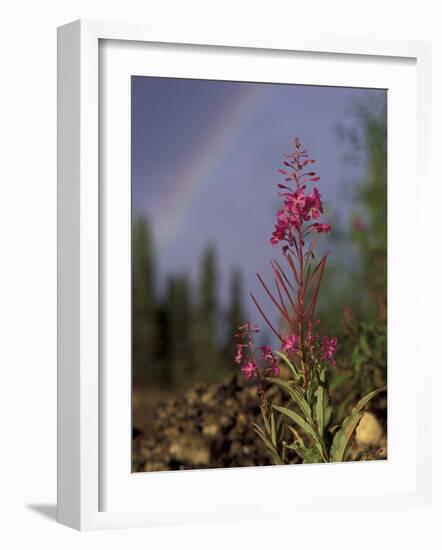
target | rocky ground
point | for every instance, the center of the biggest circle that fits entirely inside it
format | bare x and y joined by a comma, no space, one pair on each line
208,427
211,427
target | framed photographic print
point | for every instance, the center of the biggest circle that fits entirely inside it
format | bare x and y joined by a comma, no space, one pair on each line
197,248
233,276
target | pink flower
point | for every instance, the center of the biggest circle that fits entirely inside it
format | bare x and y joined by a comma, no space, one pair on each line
299,207
314,213
248,369
306,162
239,354
315,200
277,236
280,229
322,227
329,349
267,353
290,343
298,199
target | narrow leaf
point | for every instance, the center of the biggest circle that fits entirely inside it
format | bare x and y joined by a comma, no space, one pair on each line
292,264
322,405
318,273
297,397
304,425
270,295
275,332
281,299
266,420
281,271
273,452
287,361
278,276
343,437
296,437
273,428
360,405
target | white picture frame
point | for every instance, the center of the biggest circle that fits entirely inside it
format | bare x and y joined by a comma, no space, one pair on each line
82,396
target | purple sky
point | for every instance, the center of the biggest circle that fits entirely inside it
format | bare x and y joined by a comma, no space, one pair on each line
205,156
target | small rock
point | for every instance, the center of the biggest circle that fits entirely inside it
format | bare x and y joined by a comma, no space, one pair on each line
211,426
369,430
190,449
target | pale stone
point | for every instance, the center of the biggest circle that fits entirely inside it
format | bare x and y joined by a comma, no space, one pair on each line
369,430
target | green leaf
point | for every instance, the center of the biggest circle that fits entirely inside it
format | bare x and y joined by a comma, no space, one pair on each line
266,420
309,455
258,429
270,447
273,428
297,439
364,345
345,434
290,365
343,437
311,390
305,426
361,404
296,394
322,408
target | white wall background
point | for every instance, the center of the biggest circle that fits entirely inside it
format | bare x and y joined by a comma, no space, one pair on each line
28,265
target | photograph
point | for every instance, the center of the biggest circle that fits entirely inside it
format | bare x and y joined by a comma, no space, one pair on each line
259,274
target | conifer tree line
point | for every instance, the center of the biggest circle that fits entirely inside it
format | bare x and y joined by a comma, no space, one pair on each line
177,338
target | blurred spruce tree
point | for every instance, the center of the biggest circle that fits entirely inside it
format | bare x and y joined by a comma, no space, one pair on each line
180,350
205,335
144,326
369,228
235,314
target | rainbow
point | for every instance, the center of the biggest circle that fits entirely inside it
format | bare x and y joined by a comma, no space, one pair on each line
207,157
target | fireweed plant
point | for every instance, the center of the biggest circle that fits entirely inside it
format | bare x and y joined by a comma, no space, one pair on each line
302,424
